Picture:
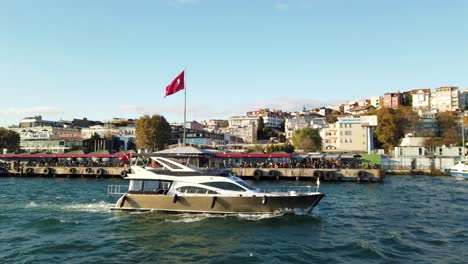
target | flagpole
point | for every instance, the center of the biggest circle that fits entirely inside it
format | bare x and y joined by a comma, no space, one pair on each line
185,108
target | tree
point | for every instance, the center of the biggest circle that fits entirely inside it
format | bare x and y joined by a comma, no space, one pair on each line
261,129
393,124
447,122
152,132
9,140
224,123
308,139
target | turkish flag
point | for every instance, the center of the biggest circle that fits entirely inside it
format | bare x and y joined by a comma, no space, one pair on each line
176,85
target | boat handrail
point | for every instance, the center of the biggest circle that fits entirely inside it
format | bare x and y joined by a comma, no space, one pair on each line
294,190
117,189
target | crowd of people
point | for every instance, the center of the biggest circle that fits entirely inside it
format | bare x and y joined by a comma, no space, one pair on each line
305,163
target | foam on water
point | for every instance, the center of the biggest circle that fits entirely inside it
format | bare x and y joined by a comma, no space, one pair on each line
101,206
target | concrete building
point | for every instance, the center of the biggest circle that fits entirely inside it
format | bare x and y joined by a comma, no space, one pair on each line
393,100
376,101
293,124
37,121
445,98
49,139
421,99
346,135
463,97
271,119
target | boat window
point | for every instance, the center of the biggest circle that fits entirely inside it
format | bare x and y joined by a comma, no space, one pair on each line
151,186
225,186
246,185
196,190
135,185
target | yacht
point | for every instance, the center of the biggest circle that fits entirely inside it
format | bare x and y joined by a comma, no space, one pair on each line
459,170
165,184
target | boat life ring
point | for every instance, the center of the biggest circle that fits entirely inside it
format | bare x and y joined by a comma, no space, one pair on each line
264,200
328,175
72,170
257,174
318,174
361,175
123,173
89,170
29,170
46,171
100,171
271,173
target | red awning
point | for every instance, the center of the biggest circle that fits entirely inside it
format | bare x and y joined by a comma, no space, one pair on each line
64,155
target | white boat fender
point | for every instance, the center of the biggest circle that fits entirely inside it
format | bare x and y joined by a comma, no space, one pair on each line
213,202
175,198
264,200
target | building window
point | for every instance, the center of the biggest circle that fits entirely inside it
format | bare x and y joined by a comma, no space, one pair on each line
348,133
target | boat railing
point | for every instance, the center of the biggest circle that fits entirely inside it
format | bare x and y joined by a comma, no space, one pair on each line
290,190
117,189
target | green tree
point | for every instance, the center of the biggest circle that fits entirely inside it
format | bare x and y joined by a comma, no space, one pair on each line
152,132
9,140
308,139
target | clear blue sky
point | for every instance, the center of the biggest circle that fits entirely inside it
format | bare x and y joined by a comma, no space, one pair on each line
108,58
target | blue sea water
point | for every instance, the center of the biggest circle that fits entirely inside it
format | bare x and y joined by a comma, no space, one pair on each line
409,219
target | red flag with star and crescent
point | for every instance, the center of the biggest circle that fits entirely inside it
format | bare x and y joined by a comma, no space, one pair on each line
176,85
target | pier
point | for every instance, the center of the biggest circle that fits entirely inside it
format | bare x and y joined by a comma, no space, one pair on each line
331,175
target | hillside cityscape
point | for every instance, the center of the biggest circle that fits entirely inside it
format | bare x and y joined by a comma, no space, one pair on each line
340,127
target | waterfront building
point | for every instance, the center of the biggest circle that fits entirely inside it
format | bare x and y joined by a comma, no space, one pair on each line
421,99
198,136
393,100
345,135
49,139
445,98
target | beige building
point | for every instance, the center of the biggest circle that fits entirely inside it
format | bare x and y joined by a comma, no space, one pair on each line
345,135
421,99
445,98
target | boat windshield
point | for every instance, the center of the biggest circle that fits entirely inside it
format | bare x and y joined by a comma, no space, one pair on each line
245,185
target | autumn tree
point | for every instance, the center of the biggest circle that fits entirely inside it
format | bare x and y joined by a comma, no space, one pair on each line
152,132
308,139
9,140
393,124
448,129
